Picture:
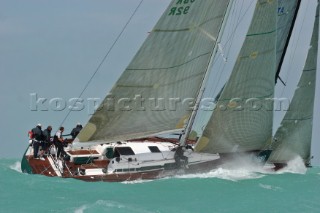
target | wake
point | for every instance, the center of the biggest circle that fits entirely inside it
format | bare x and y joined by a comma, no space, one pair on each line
241,168
226,174
295,166
139,181
244,168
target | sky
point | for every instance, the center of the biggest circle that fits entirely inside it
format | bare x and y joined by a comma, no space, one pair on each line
50,49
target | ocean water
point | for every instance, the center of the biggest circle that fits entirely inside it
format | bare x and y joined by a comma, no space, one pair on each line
235,189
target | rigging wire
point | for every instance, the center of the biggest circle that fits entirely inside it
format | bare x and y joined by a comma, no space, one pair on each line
103,60
210,91
229,41
239,21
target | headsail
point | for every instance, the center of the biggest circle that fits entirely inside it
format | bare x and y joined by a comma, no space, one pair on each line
294,134
236,124
168,68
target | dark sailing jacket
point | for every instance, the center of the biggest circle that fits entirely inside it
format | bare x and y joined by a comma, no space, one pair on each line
75,131
46,135
37,133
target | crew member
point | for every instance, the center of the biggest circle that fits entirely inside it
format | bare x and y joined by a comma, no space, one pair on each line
75,131
37,139
179,157
59,142
46,138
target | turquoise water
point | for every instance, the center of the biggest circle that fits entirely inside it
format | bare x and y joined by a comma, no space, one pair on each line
221,190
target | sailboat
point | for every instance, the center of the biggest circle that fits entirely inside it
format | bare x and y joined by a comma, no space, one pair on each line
243,120
293,137
160,92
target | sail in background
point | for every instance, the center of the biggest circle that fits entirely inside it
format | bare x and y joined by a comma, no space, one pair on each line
294,134
168,68
287,10
236,125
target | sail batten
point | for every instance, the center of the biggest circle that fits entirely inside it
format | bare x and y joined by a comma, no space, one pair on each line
155,92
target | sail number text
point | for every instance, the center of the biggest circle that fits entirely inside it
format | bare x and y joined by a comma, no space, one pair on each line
182,7
281,10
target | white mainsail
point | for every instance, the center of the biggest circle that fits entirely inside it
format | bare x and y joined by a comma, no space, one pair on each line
239,125
167,70
294,134
287,12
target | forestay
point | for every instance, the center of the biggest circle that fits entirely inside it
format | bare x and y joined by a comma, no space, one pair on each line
294,134
242,120
154,92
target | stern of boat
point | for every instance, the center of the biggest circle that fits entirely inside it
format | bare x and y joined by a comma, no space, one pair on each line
25,165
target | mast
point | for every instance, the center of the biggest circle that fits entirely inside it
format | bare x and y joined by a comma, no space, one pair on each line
185,134
169,67
287,43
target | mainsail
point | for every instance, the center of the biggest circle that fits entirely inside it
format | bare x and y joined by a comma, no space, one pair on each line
294,134
242,121
287,13
168,69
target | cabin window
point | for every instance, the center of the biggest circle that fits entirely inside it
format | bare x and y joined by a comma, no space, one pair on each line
109,152
154,149
124,151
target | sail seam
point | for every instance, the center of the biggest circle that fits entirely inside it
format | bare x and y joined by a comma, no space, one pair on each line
309,70
282,27
178,30
245,98
264,33
298,119
151,86
175,66
258,53
188,28
183,79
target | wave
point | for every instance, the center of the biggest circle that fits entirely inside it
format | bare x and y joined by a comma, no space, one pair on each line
269,187
136,181
16,166
99,204
81,209
102,205
226,174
